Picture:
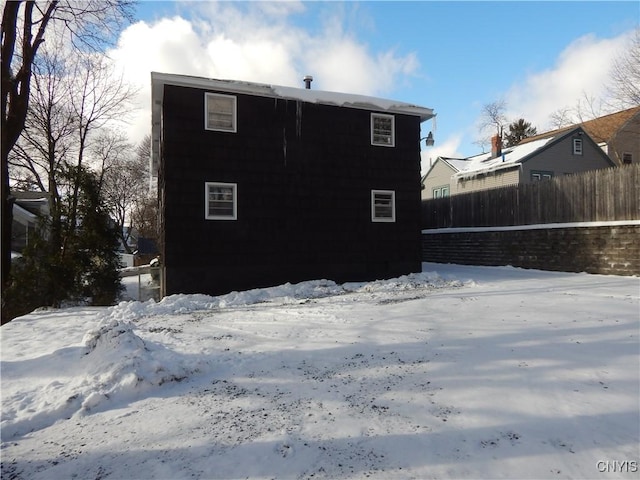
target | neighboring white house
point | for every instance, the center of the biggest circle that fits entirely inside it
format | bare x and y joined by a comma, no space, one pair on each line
439,177
28,208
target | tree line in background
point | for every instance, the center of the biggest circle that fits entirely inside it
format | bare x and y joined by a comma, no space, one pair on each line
622,91
62,117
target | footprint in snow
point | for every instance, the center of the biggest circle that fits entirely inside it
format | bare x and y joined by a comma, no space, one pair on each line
284,450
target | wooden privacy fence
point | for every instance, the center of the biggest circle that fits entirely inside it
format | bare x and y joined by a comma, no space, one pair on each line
601,195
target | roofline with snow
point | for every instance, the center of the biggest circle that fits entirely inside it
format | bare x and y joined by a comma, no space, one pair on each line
158,80
363,102
466,174
444,160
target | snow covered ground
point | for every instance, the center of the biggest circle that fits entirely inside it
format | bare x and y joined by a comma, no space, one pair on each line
457,372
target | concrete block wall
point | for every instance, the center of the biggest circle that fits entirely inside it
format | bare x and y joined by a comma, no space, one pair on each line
612,249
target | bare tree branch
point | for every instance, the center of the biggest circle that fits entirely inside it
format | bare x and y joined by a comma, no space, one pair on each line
90,24
624,79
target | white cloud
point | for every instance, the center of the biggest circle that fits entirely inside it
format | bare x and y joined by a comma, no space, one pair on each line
581,70
446,148
255,41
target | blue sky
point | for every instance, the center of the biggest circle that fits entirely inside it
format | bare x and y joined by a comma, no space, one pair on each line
451,56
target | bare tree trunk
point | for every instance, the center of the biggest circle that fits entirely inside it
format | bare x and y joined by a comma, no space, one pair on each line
89,24
15,101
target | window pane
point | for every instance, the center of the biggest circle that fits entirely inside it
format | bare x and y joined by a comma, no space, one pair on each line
383,205
221,104
220,112
220,120
382,130
221,201
577,146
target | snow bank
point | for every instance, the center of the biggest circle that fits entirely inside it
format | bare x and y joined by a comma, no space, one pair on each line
122,362
287,293
114,364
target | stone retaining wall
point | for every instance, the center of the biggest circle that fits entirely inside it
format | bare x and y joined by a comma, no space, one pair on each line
612,249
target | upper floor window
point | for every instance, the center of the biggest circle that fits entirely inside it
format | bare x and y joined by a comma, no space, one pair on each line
382,130
383,206
221,201
220,112
577,146
627,158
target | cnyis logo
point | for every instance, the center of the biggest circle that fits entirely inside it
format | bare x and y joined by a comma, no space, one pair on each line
616,466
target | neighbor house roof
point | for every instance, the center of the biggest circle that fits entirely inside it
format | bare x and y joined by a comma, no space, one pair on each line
456,163
23,215
510,157
451,162
601,129
35,202
25,195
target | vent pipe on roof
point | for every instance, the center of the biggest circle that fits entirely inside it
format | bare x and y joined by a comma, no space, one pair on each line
307,81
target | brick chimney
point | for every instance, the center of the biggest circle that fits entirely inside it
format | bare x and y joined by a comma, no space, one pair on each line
496,146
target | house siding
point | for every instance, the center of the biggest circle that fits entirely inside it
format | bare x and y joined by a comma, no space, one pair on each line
304,175
626,141
484,182
438,176
559,160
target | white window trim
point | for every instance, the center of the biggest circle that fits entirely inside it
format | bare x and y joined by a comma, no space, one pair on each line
234,122
440,191
393,130
577,142
234,186
375,218
539,175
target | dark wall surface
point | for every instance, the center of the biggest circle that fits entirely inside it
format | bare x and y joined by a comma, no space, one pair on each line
304,175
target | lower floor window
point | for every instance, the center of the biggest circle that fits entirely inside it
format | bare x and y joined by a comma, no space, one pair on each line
221,201
383,206
537,176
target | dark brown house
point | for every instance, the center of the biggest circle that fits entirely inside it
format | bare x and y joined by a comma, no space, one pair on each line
261,185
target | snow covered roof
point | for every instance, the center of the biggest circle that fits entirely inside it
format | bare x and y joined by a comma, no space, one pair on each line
510,157
22,215
456,163
33,202
158,80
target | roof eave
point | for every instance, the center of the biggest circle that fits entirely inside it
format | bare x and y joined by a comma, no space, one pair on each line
159,80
